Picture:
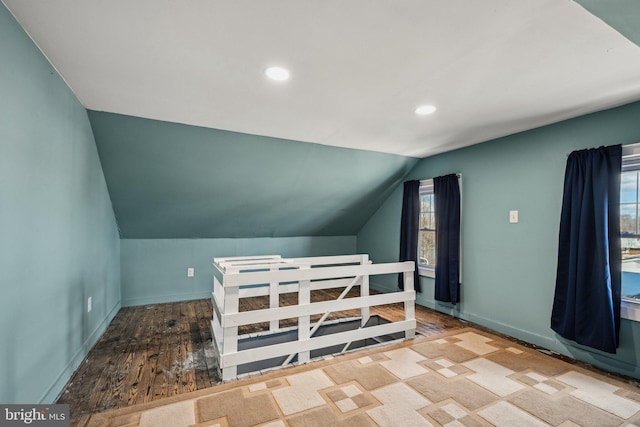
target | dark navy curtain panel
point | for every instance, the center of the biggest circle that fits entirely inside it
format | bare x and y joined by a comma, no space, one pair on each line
409,224
446,192
586,306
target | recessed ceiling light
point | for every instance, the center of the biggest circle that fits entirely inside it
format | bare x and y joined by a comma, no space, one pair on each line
277,73
423,110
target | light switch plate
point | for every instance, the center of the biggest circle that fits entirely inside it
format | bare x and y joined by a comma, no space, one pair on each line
513,217
89,304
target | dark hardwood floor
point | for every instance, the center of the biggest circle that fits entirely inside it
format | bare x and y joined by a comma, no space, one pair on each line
156,351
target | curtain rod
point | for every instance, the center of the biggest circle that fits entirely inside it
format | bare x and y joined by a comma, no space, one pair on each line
422,181
632,149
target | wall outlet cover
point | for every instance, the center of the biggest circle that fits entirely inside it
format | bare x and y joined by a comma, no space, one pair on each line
190,271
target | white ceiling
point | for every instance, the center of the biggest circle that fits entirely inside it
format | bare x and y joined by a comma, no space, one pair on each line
359,67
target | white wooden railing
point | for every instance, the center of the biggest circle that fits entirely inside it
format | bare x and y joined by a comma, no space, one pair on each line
243,277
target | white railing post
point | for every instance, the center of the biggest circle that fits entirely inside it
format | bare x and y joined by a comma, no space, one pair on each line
364,292
230,333
409,306
274,301
216,327
304,322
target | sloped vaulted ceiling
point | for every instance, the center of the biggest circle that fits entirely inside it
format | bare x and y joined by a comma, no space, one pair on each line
168,180
359,68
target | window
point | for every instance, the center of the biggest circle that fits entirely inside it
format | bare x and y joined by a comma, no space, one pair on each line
630,231
427,230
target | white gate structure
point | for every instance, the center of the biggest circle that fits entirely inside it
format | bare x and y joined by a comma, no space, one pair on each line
243,277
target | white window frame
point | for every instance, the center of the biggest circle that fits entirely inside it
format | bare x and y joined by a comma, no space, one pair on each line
426,187
630,309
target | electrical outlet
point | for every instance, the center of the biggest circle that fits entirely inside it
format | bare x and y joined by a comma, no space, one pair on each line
89,304
190,271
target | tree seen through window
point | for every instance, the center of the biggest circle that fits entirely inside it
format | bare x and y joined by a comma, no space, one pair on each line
427,233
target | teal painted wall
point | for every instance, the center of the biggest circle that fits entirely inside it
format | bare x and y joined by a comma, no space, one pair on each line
155,270
508,270
623,15
59,242
169,180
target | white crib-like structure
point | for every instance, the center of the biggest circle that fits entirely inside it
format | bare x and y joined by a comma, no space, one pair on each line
243,277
